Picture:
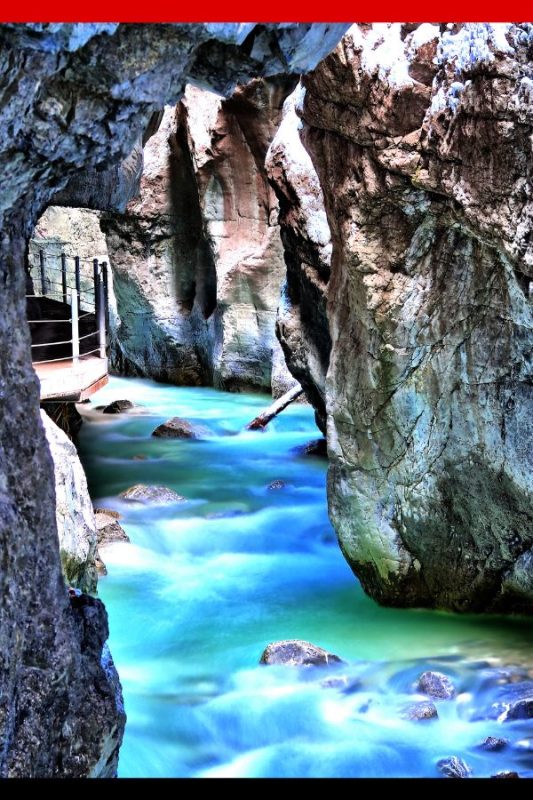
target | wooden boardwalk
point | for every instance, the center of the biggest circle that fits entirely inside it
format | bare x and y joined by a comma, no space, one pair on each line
64,381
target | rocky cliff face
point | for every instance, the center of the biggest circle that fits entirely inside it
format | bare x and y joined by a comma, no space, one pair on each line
77,98
302,324
421,139
197,258
76,526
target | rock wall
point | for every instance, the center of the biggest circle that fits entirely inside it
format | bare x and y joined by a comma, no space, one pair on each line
197,258
302,323
76,526
77,97
421,139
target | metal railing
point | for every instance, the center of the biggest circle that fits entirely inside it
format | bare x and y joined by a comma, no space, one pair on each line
70,293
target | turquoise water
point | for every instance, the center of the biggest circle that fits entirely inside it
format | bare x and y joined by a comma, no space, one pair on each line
205,585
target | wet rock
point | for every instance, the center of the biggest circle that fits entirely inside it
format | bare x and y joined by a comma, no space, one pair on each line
158,495
507,702
506,774
118,407
109,530
74,512
297,653
277,485
178,428
436,684
318,447
454,767
101,568
493,744
109,512
339,682
418,712
523,709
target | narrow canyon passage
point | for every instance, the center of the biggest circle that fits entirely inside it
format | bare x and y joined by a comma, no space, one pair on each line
204,586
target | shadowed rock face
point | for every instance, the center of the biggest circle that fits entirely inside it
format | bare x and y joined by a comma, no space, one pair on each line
422,144
76,97
197,257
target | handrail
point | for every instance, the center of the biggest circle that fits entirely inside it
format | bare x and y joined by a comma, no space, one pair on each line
95,297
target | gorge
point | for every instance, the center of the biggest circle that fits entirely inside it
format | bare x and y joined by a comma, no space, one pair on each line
347,207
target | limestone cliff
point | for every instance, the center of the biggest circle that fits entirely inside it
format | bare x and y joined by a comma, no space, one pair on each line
197,257
77,97
76,526
421,139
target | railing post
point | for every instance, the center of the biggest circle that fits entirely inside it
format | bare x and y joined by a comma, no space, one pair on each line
96,280
77,279
101,317
64,277
103,267
43,272
75,326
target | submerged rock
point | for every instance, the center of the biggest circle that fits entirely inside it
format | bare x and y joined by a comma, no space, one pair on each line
109,530
178,428
297,653
158,495
436,684
277,485
454,767
508,702
417,712
338,682
117,407
318,448
493,744
506,774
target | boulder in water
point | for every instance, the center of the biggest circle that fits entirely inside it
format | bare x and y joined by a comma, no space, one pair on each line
316,447
118,407
178,428
454,767
493,744
297,653
436,684
158,495
109,511
109,530
419,712
506,774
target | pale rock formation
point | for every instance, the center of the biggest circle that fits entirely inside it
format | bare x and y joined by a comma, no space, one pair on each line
76,526
302,321
197,258
421,138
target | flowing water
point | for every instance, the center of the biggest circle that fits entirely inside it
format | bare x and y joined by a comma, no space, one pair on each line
206,584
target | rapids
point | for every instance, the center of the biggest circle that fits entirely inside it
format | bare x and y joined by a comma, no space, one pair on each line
206,584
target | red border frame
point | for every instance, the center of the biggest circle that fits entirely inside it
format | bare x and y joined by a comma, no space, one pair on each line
268,11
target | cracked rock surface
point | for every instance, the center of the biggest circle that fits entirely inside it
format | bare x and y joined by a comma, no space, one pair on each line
421,139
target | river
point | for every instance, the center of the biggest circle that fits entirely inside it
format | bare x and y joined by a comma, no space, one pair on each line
206,584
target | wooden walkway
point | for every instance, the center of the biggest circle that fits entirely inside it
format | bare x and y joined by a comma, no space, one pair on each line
64,381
